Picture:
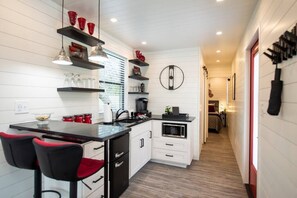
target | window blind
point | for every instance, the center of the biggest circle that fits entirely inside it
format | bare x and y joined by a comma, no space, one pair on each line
112,79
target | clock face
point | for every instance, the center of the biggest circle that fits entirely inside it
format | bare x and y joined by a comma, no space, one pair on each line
171,77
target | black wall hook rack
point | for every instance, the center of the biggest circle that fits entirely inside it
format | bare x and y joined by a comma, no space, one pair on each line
285,48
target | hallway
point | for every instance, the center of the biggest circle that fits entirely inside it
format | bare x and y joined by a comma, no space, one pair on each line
215,175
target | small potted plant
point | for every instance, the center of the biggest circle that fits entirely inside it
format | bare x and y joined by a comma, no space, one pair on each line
167,110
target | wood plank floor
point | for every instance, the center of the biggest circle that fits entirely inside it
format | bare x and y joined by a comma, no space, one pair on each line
216,175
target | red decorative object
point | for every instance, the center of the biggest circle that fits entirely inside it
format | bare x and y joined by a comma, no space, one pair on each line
139,55
87,118
67,118
72,17
91,27
78,118
81,23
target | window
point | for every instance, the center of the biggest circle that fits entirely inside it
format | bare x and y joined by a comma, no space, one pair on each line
112,79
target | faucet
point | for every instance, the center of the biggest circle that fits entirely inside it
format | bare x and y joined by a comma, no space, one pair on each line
120,112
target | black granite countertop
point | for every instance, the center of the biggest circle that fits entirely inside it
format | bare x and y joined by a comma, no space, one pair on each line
185,119
154,117
95,132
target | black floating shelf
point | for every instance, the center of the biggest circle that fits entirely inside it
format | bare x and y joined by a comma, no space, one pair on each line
85,64
138,93
79,35
138,62
137,77
79,89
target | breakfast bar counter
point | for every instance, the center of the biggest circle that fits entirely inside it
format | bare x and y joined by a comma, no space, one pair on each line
72,130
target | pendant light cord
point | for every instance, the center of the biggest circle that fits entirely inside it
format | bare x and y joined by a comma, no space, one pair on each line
62,23
98,19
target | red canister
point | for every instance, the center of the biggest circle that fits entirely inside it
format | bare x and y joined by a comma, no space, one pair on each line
67,119
78,118
88,118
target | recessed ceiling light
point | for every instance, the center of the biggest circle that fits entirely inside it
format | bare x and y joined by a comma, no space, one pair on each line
219,33
218,51
113,20
143,42
220,0
218,61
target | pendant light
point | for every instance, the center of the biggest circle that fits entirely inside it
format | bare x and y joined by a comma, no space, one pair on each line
62,58
98,54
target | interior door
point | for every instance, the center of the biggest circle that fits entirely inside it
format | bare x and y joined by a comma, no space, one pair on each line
254,107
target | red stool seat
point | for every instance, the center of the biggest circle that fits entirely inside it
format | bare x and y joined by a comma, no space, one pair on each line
64,161
19,152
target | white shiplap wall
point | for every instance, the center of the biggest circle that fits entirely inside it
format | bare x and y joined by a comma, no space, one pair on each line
277,175
187,96
28,43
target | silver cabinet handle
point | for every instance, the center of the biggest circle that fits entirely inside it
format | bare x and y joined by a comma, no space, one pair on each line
168,144
101,177
168,155
117,155
97,148
118,164
151,134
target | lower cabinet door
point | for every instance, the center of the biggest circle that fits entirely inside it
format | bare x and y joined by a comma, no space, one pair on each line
119,176
99,193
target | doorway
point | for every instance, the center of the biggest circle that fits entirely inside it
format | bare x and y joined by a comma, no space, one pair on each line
254,108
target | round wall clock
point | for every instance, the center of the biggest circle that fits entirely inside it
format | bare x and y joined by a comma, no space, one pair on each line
171,77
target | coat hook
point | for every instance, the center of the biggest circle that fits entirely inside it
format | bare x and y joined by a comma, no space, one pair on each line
291,35
274,59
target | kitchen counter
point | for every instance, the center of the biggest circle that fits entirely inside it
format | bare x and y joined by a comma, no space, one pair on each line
72,130
159,117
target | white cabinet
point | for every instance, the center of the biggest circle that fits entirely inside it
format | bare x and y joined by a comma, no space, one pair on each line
94,150
172,151
140,146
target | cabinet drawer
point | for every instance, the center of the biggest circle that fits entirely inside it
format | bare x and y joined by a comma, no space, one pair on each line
95,181
170,144
170,156
99,193
140,128
93,148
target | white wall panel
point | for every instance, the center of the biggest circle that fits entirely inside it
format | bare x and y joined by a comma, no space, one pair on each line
28,43
277,134
187,97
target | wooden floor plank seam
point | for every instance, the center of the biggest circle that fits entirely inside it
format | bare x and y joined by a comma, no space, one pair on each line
215,175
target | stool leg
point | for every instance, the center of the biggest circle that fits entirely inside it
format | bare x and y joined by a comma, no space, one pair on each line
37,183
73,189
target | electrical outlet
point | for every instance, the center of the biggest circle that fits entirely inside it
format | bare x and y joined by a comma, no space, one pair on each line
21,107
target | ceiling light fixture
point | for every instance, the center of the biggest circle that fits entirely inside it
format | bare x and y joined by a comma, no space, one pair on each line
143,43
218,51
98,54
114,20
219,33
220,0
62,58
218,61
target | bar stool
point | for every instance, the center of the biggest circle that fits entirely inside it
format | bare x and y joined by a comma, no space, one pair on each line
19,152
64,161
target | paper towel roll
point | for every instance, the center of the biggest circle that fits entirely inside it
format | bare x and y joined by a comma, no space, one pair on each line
107,113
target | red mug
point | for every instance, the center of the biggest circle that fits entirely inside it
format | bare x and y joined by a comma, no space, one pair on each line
78,118
72,17
91,27
81,23
67,118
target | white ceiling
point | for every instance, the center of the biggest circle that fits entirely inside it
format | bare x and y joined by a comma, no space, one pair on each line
173,24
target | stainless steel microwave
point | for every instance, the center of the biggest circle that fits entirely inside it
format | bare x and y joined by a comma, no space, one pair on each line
175,130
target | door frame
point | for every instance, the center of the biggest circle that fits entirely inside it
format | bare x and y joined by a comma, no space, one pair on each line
252,177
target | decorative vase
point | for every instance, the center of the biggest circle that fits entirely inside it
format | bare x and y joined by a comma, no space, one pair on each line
81,23
91,27
72,17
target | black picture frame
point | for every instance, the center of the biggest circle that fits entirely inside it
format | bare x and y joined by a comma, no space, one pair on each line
233,81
